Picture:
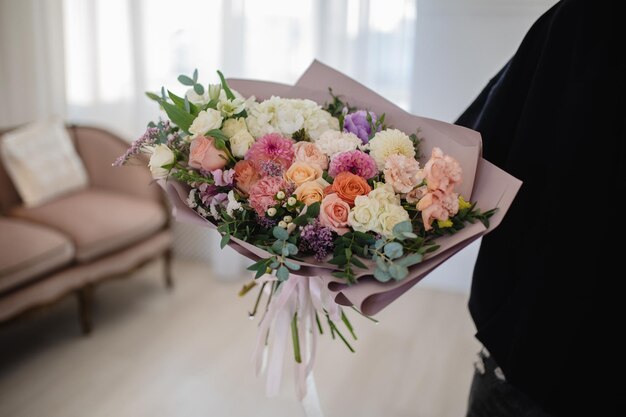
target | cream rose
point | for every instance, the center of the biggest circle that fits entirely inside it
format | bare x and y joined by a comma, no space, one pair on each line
300,172
311,192
161,155
206,120
364,215
309,152
391,215
384,194
240,142
233,126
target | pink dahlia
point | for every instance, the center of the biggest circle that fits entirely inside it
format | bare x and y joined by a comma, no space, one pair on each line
356,162
273,151
263,192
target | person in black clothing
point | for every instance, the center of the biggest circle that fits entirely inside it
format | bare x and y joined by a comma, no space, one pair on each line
545,293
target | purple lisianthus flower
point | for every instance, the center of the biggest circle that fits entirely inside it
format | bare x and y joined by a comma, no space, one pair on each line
357,123
223,178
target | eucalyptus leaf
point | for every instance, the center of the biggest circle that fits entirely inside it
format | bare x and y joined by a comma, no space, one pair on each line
282,273
380,263
410,260
393,250
278,246
198,88
398,272
292,265
381,275
280,233
184,80
402,227
195,75
293,249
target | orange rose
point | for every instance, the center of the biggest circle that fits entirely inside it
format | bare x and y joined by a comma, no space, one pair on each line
301,172
349,186
204,155
246,176
334,214
310,192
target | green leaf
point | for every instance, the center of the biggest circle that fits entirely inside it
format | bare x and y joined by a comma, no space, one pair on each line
178,116
402,227
195,75
293,249
410,260
180,102
398,272
280,233
381,275
313,210
184,80
338,260
224,241
301,221
278,246
284,251
153,96
217,134
292,265
282,273
380,263
199,89
357,262
260,272
409,235
393,250
227,90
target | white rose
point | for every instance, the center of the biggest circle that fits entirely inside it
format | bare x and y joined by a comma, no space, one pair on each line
229,108
240,143
232,126
161,155
384,194
364,215
391,215
208,119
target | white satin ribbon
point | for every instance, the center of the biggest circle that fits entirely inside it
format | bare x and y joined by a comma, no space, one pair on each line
305,296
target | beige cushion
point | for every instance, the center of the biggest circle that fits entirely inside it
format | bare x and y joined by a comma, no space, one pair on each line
98,221
42,162
28,250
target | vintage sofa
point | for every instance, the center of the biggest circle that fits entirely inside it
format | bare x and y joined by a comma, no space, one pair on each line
69,245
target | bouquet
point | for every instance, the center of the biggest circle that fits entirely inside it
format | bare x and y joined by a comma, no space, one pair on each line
337,196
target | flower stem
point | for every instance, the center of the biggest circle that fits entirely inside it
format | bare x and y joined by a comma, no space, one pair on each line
296,338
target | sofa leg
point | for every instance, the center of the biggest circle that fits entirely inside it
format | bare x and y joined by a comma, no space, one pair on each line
84,297
167,269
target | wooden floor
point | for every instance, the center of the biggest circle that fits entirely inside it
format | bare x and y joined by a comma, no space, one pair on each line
187,353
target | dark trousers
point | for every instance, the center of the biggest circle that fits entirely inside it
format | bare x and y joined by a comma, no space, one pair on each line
491,396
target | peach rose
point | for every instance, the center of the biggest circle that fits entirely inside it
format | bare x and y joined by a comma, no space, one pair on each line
334,214
204,155
310,192
246,176
442,172
301,172
348,186
309,152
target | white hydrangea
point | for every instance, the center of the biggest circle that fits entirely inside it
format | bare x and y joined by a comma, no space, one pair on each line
287,116
333,142
390,142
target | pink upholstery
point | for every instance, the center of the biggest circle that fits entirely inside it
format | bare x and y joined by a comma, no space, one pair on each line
98,149
56,285
97,221
28,250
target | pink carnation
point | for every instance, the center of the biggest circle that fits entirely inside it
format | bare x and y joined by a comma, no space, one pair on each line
442,172
403,173
271,149
436,205
356,162
263,192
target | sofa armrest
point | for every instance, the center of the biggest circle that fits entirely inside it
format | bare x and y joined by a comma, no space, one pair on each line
98,149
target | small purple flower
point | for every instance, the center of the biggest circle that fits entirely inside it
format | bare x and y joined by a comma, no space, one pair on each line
356,162
317,239
267,222
358,124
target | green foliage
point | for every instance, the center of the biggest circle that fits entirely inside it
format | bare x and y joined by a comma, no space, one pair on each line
347,249
338,108
227,90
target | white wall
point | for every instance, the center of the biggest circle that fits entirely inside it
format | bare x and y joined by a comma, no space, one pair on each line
460,45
